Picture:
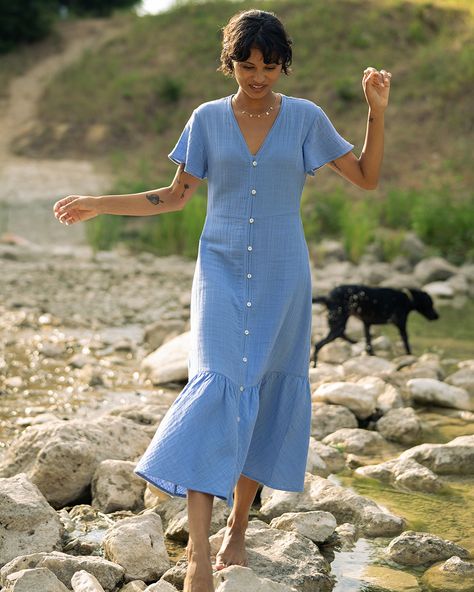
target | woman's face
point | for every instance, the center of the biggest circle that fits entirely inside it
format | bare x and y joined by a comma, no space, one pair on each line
254,77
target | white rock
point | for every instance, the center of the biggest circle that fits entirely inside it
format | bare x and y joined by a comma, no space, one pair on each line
237,578
328,418
33,580
456,457
356,440
400,425
435,392
316,526
462,378
170,361
439,290
82,581
161,586
344,504
285,557
60,457
116,487
365,365
27,522
351,395
137,544
64,567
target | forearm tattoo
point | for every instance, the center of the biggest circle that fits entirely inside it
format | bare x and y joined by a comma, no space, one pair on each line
154,198
334,163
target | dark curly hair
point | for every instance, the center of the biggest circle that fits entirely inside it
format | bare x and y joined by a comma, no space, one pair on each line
255,28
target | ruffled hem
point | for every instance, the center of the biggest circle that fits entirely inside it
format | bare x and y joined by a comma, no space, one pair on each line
213,432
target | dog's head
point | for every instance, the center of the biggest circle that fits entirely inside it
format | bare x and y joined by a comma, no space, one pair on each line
422,302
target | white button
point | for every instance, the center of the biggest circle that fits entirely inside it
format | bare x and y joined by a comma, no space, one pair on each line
244,359
254,191
241,388
249,304
254,163
249,248
251,220
238,418
249,275
246,331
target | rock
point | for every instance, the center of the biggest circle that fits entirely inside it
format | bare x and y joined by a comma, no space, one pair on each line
161,586
422,548
462,378
438,290
389,399
335,352
384,579
332,458
169,362
32,580
284,557
347,536
137,544
454,458
135,586
349,394
454,575
109,574
432,269
365,365
167,507
314,463
116,487
405,473
327,419
178,525
400,425
316,526
27,522
344,504
82,581
161,331
325,373
356,440
60,458
237,578
434,392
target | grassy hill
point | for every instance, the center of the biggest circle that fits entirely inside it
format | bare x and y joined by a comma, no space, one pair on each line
125,107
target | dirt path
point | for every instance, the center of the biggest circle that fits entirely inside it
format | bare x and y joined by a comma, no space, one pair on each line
24,179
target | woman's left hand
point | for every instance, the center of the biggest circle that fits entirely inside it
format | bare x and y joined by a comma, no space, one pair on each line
376,87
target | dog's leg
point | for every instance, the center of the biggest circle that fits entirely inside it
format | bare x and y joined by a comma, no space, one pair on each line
401,325
334,332
368,347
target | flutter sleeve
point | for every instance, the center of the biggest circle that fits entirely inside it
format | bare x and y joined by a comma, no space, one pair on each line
323,143
191,148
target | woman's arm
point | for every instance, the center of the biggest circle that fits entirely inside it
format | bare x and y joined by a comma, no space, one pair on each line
365,170
77,208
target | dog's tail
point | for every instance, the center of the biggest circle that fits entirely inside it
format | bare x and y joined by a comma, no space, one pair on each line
320,300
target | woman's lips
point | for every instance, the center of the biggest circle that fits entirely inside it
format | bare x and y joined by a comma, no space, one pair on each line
257,87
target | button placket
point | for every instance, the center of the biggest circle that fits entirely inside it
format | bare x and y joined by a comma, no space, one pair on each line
248,274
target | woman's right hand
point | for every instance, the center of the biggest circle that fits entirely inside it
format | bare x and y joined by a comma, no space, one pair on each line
76,208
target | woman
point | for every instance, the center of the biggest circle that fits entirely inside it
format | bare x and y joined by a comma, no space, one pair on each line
244,416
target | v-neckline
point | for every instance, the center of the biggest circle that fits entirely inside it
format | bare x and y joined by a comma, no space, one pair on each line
236,123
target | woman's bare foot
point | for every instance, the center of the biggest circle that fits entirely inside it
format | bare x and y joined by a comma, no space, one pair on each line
232,551
199,573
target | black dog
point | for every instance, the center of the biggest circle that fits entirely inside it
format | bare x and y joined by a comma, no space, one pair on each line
373,306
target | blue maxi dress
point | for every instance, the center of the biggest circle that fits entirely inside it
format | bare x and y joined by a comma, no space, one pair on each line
246,408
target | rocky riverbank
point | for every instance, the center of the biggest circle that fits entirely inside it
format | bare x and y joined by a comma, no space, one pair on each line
93,353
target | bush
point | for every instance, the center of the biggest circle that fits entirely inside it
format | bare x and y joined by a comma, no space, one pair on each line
25,22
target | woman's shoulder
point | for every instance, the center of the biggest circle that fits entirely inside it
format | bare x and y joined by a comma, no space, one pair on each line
303,106
211,107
